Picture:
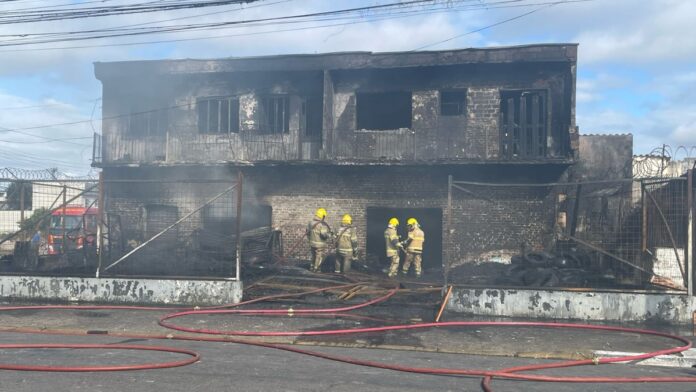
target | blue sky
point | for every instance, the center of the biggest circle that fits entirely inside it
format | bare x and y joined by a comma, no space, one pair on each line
636,67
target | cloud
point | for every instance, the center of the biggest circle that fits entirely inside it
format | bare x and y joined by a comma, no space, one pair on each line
671,119
619,39
18,148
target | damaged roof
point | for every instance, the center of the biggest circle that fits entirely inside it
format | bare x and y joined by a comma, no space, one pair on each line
561,52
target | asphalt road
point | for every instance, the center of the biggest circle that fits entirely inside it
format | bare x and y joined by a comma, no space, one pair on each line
232,367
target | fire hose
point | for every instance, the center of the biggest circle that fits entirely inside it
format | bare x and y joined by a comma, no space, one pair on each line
512,373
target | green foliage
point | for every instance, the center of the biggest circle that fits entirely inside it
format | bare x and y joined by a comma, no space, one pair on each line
34,222
14,195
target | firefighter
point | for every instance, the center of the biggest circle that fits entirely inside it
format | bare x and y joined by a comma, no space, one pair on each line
346,244
414,247
393,246
318,233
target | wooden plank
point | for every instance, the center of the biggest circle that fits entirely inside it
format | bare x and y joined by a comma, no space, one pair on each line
523,128
535,150
512,145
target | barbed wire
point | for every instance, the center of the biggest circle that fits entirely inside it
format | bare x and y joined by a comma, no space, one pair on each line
656,163
11,173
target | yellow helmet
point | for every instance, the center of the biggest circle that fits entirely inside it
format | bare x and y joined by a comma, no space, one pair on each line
321,213
347,219
393,222
411,221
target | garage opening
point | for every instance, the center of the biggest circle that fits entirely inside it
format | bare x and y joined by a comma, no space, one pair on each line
430,220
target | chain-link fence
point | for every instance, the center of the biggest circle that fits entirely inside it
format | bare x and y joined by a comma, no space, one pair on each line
47,224
132,227
164,228
623,234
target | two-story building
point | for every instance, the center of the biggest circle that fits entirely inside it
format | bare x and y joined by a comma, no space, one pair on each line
374,135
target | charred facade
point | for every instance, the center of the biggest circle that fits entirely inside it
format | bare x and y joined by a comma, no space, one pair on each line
370,134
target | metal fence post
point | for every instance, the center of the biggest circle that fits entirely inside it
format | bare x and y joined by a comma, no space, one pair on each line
100,228
65,202
448,252
240,179
644,218
690,232
21,202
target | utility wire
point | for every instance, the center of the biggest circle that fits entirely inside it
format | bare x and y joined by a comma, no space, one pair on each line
42,15
548,5
448,9
43,105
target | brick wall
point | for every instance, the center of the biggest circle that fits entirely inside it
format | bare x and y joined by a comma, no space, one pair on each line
487,222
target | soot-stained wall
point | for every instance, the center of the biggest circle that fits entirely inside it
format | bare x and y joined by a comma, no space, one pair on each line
486,221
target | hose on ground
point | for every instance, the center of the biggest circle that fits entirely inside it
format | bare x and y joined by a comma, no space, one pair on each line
512,373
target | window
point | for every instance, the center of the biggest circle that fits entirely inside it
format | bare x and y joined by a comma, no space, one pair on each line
157,219
147,122
313,116
274,114
384,111
218,115
523,124
453,103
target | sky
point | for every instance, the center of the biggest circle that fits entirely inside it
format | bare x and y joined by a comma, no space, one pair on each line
636,61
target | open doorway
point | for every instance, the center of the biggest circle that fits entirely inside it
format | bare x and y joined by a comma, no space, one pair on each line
430,220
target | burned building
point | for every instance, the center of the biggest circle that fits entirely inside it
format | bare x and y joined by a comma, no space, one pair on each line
374,135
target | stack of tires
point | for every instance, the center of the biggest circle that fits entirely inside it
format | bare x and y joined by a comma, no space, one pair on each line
543,269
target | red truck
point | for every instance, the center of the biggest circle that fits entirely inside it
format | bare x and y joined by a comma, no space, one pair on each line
76,224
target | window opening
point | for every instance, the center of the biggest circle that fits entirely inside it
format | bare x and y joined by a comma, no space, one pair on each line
384,111
218,115
453,103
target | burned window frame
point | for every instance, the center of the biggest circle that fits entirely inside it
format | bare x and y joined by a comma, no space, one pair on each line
232,125
524,141
147,123
312,117
278,125
149,210
459,104
361,119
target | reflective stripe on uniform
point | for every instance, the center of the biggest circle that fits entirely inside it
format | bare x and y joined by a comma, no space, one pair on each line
417,237
390,235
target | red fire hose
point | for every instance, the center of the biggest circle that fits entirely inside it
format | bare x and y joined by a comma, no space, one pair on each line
113,368
507,373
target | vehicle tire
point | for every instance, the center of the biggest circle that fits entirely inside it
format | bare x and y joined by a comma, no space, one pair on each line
573,277
518,260
538,259
566,260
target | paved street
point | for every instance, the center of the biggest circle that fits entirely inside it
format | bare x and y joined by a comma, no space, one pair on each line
246,368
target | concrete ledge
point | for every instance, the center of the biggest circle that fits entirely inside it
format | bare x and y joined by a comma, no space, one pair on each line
122,290
571,305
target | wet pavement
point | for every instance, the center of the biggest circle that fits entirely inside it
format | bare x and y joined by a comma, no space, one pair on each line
404,308
237,367
226,366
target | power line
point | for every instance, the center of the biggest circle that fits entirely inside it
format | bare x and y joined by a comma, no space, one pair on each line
43,105
447,9
156,29
14,17
21,132
548,5
48,141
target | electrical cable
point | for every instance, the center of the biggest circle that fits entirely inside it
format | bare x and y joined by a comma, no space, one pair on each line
26,39
512,373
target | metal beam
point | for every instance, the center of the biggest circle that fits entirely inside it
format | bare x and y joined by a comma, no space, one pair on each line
137,248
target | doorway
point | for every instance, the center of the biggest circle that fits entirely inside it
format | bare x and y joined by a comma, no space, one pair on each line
430,220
